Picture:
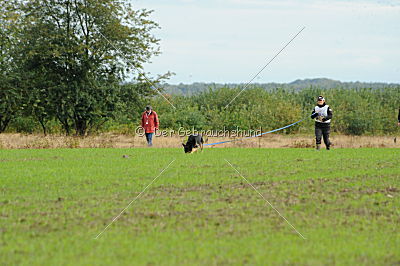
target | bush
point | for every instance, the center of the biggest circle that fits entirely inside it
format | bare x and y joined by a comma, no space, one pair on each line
24,125
357,124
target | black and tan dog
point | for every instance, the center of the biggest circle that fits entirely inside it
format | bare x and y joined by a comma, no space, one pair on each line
193,143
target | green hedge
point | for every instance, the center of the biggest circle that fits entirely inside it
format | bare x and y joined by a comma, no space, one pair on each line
355,111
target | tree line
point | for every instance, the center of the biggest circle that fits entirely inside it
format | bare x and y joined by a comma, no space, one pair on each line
356,111
299,84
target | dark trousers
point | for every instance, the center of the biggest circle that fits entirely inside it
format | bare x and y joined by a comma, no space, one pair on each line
322,130
149,138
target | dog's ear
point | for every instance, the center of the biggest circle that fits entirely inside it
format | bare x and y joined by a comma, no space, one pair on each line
183,145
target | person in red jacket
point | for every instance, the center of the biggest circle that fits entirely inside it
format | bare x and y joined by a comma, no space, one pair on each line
149,124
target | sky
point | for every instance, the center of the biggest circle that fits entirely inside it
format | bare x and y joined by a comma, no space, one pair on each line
229,41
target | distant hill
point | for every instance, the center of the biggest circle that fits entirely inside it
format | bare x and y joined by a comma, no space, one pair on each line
323,83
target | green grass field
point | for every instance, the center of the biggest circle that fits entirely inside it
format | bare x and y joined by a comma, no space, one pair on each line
200,210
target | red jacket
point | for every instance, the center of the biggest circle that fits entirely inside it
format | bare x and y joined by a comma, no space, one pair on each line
150,122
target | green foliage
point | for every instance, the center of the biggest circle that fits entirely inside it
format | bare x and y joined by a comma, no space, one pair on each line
355,111
11,94
357,125
24,125
67,60
198,87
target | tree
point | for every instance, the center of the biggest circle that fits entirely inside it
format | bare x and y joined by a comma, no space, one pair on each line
11,96
78,53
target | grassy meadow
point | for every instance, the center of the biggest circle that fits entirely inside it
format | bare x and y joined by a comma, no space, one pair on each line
345,202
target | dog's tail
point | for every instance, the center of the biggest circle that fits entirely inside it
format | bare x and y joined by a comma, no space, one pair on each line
205,138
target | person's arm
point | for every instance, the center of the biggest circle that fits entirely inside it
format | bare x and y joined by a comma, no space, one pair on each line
142,121
398,118
156,121
329,116
313,114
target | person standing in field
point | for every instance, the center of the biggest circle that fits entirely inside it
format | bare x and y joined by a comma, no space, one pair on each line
322,114
149,124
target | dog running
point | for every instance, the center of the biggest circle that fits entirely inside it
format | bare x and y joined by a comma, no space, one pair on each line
193,143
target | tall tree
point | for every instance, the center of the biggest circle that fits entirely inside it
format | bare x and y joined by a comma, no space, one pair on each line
78,53
11,95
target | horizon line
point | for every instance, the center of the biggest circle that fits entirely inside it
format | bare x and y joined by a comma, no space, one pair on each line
288,82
